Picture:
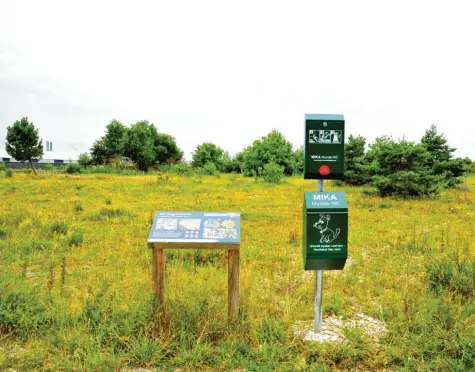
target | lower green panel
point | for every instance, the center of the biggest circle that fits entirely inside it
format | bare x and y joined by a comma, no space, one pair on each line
324,264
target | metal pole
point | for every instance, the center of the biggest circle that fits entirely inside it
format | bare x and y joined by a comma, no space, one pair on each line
319,285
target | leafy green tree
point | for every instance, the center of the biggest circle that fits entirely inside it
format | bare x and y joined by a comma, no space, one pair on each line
166,149
144,146
114,139
271,148
99,152
401,169
140,144
441,160
357,170
208,152
23,142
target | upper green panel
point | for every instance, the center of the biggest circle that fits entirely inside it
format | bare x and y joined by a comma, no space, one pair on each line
325,202
324,117
324,146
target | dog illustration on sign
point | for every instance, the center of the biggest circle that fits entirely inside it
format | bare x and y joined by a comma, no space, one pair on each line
328,235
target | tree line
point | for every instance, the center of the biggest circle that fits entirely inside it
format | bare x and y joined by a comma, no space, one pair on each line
393,167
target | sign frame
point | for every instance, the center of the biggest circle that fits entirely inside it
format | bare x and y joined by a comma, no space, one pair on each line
177,240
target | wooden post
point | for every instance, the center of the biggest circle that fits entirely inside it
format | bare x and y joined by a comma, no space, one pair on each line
158,273
233,281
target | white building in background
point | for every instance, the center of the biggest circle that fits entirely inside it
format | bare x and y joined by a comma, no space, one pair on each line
50,157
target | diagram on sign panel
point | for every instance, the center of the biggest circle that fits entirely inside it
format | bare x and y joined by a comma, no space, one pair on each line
220,229
166,223
325,136
189,224
328,235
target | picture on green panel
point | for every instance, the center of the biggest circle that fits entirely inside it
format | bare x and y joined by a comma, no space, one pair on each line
327,235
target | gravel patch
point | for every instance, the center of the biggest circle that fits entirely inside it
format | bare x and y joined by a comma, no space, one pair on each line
333,328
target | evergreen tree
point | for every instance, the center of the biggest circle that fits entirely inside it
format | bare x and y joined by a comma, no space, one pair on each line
437,145
357,170
441,160
401,168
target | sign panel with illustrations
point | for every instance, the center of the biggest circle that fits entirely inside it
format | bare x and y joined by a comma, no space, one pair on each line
324,146
195,227
327,137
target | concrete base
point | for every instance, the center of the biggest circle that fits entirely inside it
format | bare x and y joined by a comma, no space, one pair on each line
324,336
333,328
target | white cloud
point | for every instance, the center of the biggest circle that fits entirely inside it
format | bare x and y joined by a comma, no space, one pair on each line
229,72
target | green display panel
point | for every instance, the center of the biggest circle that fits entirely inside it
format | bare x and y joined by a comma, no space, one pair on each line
325,231
324,148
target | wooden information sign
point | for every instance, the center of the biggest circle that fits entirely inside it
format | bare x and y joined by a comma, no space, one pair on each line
196,230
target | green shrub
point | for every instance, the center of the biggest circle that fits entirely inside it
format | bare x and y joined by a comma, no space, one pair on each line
59,227
270,330
273,173
114,212
23,314
84,160
103,169
48,167
9,173
3,166
3,234
452,274
181,169
76,238
73,168
78,206
210,169
408,184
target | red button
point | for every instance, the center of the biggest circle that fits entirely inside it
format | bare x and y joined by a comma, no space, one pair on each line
324,170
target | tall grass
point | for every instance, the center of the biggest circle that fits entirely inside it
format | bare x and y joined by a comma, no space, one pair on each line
75,289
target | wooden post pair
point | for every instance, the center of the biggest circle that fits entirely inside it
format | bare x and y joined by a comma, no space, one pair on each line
158,269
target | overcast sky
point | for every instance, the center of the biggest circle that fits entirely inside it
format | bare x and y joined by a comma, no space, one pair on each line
231,71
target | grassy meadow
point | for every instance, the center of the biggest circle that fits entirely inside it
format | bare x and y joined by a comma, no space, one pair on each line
76,293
